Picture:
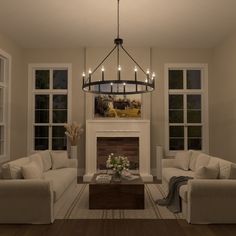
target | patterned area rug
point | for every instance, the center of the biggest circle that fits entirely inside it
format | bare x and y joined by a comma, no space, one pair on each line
77,207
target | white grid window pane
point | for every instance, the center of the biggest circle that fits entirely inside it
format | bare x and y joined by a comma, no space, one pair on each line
1,104
1,70
1,140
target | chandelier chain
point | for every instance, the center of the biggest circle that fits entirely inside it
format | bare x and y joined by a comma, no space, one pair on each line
118,18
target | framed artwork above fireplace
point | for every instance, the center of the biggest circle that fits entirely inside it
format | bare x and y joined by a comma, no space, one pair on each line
119,106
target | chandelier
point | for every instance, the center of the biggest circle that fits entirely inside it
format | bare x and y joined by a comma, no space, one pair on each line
142,81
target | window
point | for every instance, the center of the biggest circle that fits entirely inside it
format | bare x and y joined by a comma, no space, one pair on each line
50,106
5,68
186,108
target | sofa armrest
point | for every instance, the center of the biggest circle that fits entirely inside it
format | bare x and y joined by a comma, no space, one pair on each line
211,201
168,163
26,201
72,163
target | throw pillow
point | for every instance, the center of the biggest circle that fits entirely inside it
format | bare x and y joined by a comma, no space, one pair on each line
182,160
207,172
31,171
232,174
193,159
36,158
12,169
202,160
46,158
59,160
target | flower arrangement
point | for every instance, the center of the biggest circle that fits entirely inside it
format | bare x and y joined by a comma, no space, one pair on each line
117,163
73,132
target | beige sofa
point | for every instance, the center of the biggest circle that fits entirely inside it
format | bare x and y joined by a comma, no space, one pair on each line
211,196
36,200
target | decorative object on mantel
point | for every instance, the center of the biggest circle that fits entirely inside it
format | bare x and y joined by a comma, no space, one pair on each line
73,132
142,82
117,164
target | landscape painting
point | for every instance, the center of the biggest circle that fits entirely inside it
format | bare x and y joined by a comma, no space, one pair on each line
118,106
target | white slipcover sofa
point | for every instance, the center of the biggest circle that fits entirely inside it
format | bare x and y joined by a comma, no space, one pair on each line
210,197
34,196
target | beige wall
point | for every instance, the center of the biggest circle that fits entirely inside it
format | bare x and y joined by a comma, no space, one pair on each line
223,101
21,59
18,141
76,58
159,58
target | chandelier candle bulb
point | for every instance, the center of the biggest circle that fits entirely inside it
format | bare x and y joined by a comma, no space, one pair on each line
124,86
119,70
90,73
148,76
135,73
111,87
83,77
103,69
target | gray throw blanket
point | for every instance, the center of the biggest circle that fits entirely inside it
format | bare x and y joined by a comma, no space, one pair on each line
172,200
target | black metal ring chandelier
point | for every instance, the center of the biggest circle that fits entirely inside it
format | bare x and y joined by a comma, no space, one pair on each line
119,86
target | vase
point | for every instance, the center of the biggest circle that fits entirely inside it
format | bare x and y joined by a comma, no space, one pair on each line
73,152
116,176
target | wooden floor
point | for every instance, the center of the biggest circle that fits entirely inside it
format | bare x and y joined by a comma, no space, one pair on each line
119,228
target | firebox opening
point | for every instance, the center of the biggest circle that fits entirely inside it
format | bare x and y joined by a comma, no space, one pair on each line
121,146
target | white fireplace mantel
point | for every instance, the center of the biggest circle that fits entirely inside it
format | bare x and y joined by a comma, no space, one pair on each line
117,128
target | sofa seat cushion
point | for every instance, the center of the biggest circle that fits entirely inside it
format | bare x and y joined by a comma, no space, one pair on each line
183,192
61,179
167,173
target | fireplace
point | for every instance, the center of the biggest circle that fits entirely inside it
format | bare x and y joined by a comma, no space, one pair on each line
120,146
104,128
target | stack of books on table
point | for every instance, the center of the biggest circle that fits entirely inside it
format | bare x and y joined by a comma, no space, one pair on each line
103,178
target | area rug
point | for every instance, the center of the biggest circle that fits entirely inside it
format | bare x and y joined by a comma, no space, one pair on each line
77,207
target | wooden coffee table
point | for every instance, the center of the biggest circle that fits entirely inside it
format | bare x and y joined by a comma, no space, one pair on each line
127,194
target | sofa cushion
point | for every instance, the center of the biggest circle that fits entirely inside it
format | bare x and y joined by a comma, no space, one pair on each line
225,167
183,192
61,179
37,159
32,170
182,160
202,160
46,158
232,172
12,169
193,159
207,172
59,160
167,173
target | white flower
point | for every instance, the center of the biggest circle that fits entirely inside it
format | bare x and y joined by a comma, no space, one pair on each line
117,163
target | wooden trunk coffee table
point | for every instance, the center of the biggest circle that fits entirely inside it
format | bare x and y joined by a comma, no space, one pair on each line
127,194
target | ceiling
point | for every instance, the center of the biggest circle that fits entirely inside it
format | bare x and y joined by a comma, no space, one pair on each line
92,23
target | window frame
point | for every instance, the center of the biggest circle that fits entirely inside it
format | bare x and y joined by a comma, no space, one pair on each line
31,98
204,103
6,85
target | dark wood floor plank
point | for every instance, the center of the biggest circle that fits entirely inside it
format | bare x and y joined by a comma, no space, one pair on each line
117,228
